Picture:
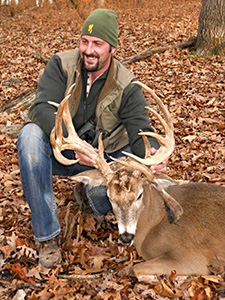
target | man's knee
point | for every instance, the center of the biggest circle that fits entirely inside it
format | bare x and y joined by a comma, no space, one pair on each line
30,131
32,143
31,135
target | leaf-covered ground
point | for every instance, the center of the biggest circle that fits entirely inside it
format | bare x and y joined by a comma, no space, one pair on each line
193,88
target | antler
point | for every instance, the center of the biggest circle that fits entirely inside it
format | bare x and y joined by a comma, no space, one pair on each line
167,143
73,141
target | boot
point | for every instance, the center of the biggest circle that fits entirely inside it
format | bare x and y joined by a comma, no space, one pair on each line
49,252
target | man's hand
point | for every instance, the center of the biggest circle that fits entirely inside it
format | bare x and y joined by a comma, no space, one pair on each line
85,160
158,169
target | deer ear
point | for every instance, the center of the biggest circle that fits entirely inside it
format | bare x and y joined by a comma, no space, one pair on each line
92,178
173,208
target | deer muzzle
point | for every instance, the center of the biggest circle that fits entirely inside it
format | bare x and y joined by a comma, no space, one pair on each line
126,237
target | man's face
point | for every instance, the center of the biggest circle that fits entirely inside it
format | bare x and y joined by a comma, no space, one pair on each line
96,53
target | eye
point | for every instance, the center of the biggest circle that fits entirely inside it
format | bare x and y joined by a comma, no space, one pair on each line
139,196
83,41
98,44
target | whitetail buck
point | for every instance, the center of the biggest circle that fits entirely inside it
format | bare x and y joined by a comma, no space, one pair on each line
174,226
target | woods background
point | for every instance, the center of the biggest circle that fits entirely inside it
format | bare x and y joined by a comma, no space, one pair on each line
193,88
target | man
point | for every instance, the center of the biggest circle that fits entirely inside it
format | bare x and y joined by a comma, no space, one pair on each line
103,95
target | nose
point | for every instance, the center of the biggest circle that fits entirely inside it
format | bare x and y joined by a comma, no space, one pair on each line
126,237
89,49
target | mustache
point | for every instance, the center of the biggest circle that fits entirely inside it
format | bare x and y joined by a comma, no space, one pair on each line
90,55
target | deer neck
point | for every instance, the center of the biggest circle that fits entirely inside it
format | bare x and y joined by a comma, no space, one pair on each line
152,213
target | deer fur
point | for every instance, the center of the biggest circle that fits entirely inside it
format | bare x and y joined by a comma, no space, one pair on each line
189,246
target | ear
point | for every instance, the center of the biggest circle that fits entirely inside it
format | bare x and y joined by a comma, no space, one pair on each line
113,50
165,183
173,208
92,178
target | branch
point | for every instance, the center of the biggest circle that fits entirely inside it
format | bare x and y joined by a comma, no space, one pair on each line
11,130
149,52
22,101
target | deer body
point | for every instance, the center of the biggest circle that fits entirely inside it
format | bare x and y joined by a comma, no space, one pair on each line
190,246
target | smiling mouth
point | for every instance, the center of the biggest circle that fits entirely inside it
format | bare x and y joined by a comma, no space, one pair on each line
90,57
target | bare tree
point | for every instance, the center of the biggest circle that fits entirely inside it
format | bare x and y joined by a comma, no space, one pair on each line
211,29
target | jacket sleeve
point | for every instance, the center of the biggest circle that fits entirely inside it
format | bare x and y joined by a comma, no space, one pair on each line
51,87
134,117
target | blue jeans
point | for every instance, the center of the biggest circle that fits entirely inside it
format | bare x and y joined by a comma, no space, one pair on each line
37,165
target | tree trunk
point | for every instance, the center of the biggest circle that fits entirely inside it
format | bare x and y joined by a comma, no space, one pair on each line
211,29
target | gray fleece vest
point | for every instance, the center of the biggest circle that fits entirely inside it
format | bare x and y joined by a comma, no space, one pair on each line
107,116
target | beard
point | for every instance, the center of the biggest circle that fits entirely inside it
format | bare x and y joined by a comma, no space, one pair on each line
91,68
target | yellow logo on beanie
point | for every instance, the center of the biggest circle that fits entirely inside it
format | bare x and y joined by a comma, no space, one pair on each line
90,28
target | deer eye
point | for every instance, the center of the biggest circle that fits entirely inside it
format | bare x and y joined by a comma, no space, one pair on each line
139,196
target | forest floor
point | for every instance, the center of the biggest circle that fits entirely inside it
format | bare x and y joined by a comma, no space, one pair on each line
193,88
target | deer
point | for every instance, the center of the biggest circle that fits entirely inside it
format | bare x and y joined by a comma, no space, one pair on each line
174,225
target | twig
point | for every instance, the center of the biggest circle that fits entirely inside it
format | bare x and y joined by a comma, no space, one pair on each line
81,276
41,58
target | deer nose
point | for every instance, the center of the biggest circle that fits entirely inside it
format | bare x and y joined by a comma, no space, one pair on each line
126,237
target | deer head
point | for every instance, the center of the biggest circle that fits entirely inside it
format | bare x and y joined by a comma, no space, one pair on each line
125,178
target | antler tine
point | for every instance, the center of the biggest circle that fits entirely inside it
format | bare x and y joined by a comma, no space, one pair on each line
73,141
56,137
147,145
158,101
103,166
167,143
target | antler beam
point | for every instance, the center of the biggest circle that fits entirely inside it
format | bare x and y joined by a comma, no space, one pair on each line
167,143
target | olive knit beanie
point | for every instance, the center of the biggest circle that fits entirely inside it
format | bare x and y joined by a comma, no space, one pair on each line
102,23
